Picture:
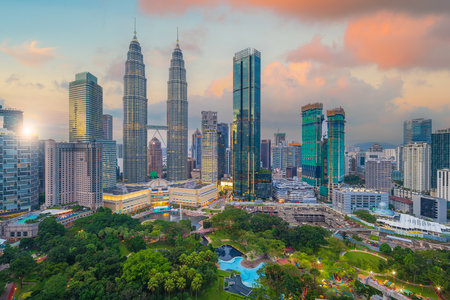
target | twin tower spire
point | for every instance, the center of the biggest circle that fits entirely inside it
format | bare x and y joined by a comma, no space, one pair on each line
135,121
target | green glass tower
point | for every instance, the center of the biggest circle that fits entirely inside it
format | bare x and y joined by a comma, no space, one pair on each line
246,127
312,153
336,146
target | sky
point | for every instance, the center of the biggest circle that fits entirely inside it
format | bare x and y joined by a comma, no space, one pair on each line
382,61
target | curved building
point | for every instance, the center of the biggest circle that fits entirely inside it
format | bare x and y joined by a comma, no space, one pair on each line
177,118
135,116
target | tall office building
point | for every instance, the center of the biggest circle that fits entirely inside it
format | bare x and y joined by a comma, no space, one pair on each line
417,130
154,159
12,119
284,156
196,150
280,138
109,163
440,153
336,146
41,171
246,127
85,108
135,116
222,145
443,184
107,124
19,167
416,167
312,156
266,154
209,147
177,118
73,173
378,175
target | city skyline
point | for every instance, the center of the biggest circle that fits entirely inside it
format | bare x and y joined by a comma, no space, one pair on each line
314,61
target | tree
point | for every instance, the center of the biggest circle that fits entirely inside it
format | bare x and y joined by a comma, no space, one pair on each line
196,284
385,248
26,244
153,284
169,286
181,284
314,272
22,266
139,265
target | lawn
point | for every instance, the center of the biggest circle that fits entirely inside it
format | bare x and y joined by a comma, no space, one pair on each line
123,250
428,292
364,261
373,237
216,291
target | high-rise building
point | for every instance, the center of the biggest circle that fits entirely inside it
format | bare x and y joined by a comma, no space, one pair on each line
41,166
135,116
443,184
416,166
109,163
119,150
107,124
440,153
222,145
12,119
196,150
209,147
73,173
19,167
336,146
417,130
376,148
154,159
266,154
312,156
280,138
378,175
297,149
177,118
284,156
85,108
246,127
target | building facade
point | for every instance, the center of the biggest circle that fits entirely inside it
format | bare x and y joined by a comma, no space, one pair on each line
12,119
440,153
417,130
443,184
109,163
246,127
135,116
266,154
430,207
73,173
177,118
155,159
85,108
284,156
209,147
107,124
196,149
222,145
348,200
192,194
280,138
401,204
378,175
416,167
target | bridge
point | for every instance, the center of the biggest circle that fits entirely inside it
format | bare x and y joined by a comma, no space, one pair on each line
200,231
387,292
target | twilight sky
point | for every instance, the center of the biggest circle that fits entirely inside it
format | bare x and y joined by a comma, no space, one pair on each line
382,61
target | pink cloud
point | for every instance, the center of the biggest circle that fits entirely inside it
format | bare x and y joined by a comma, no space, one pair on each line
29,54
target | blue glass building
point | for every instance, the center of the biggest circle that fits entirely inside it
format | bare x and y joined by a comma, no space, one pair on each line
246,127
197,148
440,153
417,130
222,145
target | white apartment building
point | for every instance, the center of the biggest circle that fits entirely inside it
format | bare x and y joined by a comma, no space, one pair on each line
443,184
416,166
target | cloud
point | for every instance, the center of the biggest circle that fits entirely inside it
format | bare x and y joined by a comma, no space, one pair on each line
14,79
390,41
192,39
304,9
29,54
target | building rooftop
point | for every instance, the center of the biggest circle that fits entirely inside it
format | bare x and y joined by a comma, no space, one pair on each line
411,223
400,199
124,189
194,185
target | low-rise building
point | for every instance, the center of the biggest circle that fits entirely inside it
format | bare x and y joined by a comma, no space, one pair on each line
192,194
412,226
348,200
430,207
293,191
126,199
401,204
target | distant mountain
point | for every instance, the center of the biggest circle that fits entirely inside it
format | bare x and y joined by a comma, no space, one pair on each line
366,146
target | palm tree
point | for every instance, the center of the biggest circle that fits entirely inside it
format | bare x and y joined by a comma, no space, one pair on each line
153,284
181,285
314,272
196,284
169,286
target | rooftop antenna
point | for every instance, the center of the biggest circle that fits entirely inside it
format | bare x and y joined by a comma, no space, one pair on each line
135,26
177,34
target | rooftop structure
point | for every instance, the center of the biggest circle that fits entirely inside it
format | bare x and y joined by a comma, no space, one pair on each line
295,191
416,225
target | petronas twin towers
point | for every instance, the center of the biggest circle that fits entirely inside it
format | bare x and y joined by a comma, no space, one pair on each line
135,117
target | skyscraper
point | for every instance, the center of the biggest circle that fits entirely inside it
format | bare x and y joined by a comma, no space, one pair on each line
266,154
85,108
378,175
196,149
417,130
209,147
284,156
416,166
109,163
107,122
135,116
154,158
280,138
12,119
440,153
312,161
246,136
222,145
177,118
336,146
443,184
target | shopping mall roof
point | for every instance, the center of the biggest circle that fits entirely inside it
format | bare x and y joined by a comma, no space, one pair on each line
410,223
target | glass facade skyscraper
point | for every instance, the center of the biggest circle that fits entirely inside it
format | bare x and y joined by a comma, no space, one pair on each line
266,154
85,108
177,118
12,119
135,116
196,149
246,127
222,145
440,153
107,124
209,147
417,130
336,146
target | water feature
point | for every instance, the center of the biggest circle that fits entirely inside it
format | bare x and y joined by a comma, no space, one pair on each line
174,217
24,220
248,275
227,252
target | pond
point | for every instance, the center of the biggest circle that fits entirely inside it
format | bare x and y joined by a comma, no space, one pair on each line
227,252
174,217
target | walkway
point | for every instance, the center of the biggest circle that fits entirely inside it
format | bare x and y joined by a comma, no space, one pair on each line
363,251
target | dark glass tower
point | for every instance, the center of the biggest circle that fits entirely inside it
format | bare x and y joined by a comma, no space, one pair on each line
440,153
135,116
177,118
246,127
417,130
222,145
197,148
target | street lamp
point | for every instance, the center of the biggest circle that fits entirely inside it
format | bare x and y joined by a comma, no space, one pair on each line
393,273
